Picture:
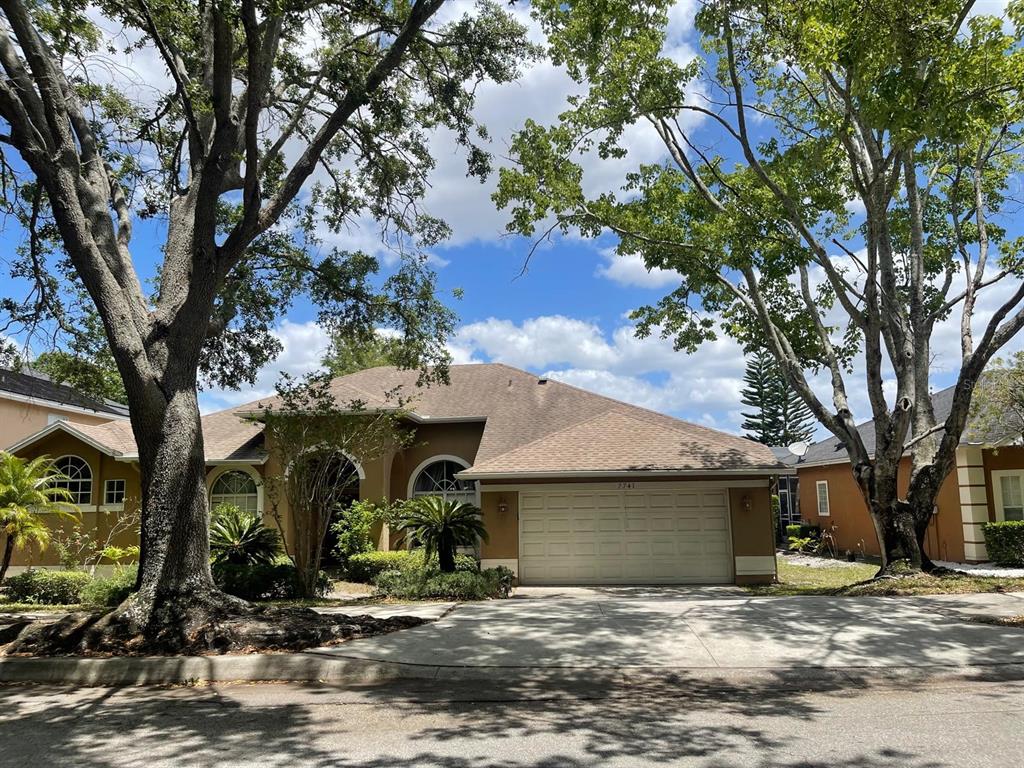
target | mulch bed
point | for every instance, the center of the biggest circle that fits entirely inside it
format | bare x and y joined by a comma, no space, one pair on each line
266,629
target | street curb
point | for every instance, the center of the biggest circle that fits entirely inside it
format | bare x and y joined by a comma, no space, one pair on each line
326,665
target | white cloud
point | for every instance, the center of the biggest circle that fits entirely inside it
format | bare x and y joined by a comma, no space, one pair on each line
702,387
630,270
304,347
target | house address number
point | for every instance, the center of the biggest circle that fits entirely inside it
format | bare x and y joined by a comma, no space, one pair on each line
627,486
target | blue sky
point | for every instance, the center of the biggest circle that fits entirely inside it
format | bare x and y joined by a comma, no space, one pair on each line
567,316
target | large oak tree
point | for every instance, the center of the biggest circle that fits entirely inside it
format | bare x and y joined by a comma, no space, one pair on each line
794,114
279,123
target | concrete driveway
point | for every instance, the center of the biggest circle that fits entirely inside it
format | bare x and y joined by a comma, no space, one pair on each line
704,627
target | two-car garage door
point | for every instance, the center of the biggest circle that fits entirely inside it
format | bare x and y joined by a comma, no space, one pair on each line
624,536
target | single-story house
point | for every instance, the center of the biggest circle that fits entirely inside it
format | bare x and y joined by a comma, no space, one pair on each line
574,487
986,485
30,401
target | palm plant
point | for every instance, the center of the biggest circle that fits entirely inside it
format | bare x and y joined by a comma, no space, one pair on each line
440,526
27,491
238,537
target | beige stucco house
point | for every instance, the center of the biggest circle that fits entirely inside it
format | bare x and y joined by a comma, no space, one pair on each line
574,487
29,402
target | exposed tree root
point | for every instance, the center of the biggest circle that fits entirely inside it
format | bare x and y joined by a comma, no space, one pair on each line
232,626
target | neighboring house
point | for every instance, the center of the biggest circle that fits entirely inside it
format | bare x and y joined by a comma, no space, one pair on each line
29,401
574,487
986,485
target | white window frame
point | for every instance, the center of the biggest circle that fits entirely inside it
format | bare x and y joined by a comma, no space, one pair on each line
111,506
91,480
997,488
471,497
216,473
818,485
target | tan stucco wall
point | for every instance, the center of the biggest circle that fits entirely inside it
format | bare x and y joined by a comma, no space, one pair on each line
502,527
851,524
19,419
92,518
458,439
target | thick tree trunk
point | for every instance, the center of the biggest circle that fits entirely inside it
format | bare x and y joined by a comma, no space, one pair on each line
8,553
898,539
175,594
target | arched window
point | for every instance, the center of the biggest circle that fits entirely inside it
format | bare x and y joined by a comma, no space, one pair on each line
235,487
437,478
77,478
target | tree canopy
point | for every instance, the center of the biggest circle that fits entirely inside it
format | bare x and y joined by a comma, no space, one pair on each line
193,203
837,181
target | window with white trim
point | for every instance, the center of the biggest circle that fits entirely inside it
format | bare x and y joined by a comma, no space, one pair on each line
237,488
1008,494
113,492
77,478
438,479
821,486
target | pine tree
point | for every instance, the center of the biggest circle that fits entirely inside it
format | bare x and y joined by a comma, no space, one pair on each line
796,418
780,417
760,393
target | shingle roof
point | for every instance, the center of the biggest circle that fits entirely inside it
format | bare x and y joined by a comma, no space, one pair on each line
831,451
532,425
521,411
226,436
38,387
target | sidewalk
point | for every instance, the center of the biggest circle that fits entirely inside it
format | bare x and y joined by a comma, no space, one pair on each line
620,634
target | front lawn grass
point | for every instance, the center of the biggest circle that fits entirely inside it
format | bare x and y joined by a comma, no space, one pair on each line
857,581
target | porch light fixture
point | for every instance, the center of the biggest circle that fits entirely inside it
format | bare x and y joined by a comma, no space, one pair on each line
747,505
502,506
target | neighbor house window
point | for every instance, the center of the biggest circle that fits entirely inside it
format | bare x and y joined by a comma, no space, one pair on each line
77,478
113,492
823,508
1008,490
437,478
237,488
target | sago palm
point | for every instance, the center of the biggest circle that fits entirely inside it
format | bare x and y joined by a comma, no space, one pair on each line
238,537
27,491
440,526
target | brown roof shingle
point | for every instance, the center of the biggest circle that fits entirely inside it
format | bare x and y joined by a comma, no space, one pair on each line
532,425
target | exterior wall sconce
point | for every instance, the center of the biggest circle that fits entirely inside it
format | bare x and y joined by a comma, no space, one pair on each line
747,504
502,506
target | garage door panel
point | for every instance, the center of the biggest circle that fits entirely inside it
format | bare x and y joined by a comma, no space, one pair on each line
624,537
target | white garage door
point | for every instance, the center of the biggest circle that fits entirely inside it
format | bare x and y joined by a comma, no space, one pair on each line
625,537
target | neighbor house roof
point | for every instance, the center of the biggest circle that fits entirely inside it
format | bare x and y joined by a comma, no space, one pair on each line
226,436
32,386
831,451
532,425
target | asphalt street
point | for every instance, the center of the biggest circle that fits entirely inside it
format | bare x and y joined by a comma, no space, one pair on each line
764,721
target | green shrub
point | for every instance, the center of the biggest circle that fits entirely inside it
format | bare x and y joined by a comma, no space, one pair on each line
802,531
366,566
422,584
278,581
44,587
353,527
113,590
1005,542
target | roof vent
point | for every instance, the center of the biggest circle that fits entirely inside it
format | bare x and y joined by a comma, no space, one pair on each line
542,381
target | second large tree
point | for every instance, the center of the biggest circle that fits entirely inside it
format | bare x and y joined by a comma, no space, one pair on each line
833,187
